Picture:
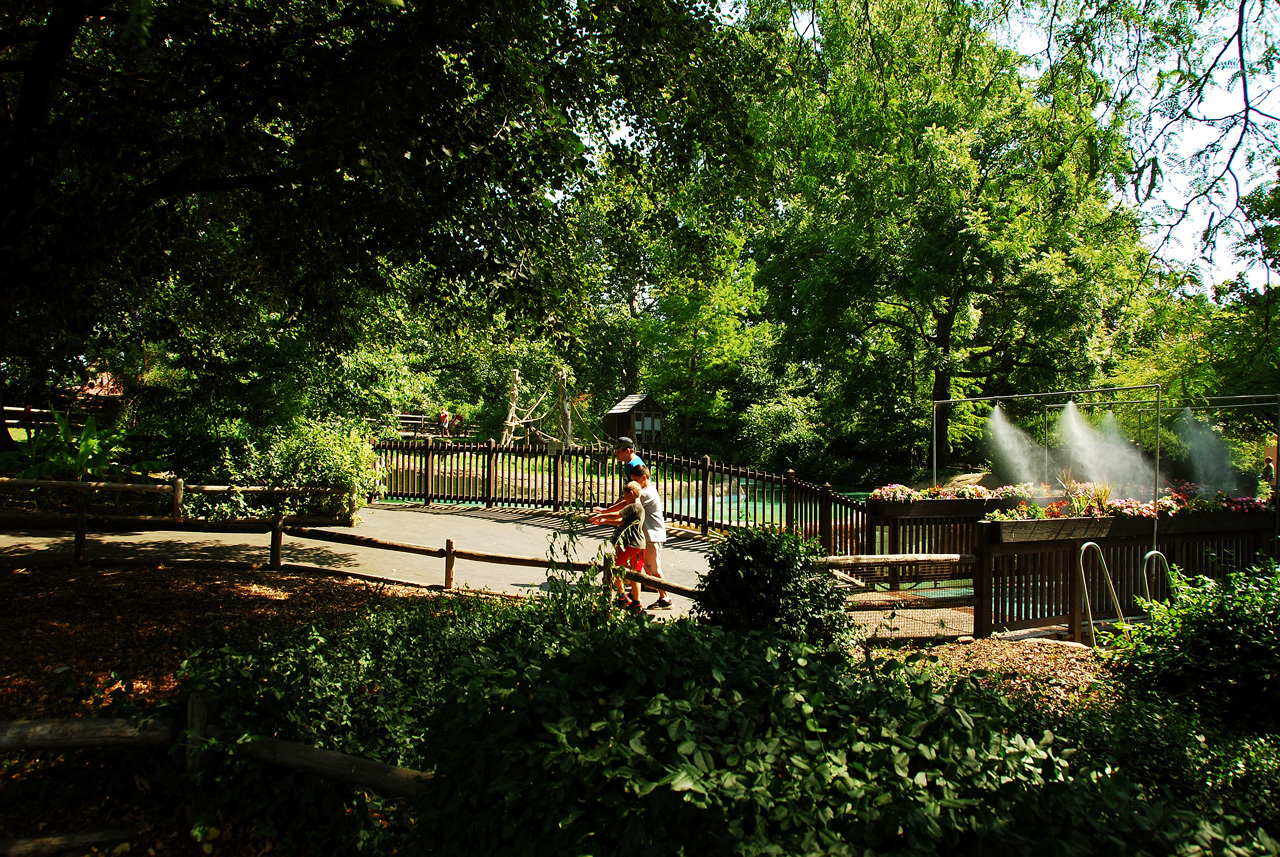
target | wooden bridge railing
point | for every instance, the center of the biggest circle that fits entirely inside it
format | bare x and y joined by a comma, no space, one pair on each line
706,495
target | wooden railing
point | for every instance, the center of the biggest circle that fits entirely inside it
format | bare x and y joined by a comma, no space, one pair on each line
705,495
279,526
1036,584
1009,585
1032,581
83,521
189,737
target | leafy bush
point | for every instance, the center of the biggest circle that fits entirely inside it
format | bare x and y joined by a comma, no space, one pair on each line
765,580
1168,749
676,738
305,455
571,733
1215,645
362,689
63,452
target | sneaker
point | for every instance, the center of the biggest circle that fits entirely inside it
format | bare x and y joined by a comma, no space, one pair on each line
623,601
661,604
635,606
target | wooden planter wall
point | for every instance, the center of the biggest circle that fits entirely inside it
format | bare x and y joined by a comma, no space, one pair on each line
1027,573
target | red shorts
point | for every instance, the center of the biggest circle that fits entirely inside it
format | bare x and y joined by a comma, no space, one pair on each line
632,558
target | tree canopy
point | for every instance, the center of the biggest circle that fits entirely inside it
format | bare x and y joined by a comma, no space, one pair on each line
946,223
277,172
796,226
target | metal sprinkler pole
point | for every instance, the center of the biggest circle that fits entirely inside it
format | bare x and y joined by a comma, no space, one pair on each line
935,443
1155,479
1046,446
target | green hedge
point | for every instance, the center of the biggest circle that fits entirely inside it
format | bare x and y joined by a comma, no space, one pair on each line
362,688
1215,646
560,728
676,738
305,455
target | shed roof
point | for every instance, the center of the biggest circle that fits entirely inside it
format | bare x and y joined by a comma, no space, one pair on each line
634,402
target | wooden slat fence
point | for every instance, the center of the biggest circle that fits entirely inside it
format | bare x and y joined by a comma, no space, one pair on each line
1036,584
1030,584
699,493
1013,585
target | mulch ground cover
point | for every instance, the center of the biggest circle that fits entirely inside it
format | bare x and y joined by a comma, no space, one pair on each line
81,641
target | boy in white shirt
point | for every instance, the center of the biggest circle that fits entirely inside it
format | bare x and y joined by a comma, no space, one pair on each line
655,531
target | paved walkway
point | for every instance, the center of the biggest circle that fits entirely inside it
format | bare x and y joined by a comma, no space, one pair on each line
497,531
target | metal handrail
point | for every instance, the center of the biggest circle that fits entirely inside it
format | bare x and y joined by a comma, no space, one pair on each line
1115,598
1084,589
1168,571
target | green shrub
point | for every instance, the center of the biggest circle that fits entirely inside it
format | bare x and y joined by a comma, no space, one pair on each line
305,455
567,732
765,580
1168,749
363,689
86,454
1215,646
676,738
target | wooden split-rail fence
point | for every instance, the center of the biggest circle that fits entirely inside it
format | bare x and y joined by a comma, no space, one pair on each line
192,737
933,557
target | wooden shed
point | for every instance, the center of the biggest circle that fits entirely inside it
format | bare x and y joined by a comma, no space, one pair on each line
638,417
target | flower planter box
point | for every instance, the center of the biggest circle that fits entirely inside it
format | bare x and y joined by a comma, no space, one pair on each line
1062,529
1117,527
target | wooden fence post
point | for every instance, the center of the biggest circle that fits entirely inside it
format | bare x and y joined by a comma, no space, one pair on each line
82,524
706,494
491,474
557,479
429,471
449,560
277,541
1075,620
826,534
177,498
195,805
983,571
606,573
790,521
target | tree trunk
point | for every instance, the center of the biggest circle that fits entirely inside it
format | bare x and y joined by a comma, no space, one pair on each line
942,378
509,426
942,413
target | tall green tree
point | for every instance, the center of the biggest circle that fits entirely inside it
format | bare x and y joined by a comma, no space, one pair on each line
675,312
263,177
1225,342
946,224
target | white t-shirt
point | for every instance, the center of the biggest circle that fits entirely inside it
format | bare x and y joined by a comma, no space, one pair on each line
655,528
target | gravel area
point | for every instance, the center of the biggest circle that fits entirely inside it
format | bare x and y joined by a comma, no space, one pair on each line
1047,672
